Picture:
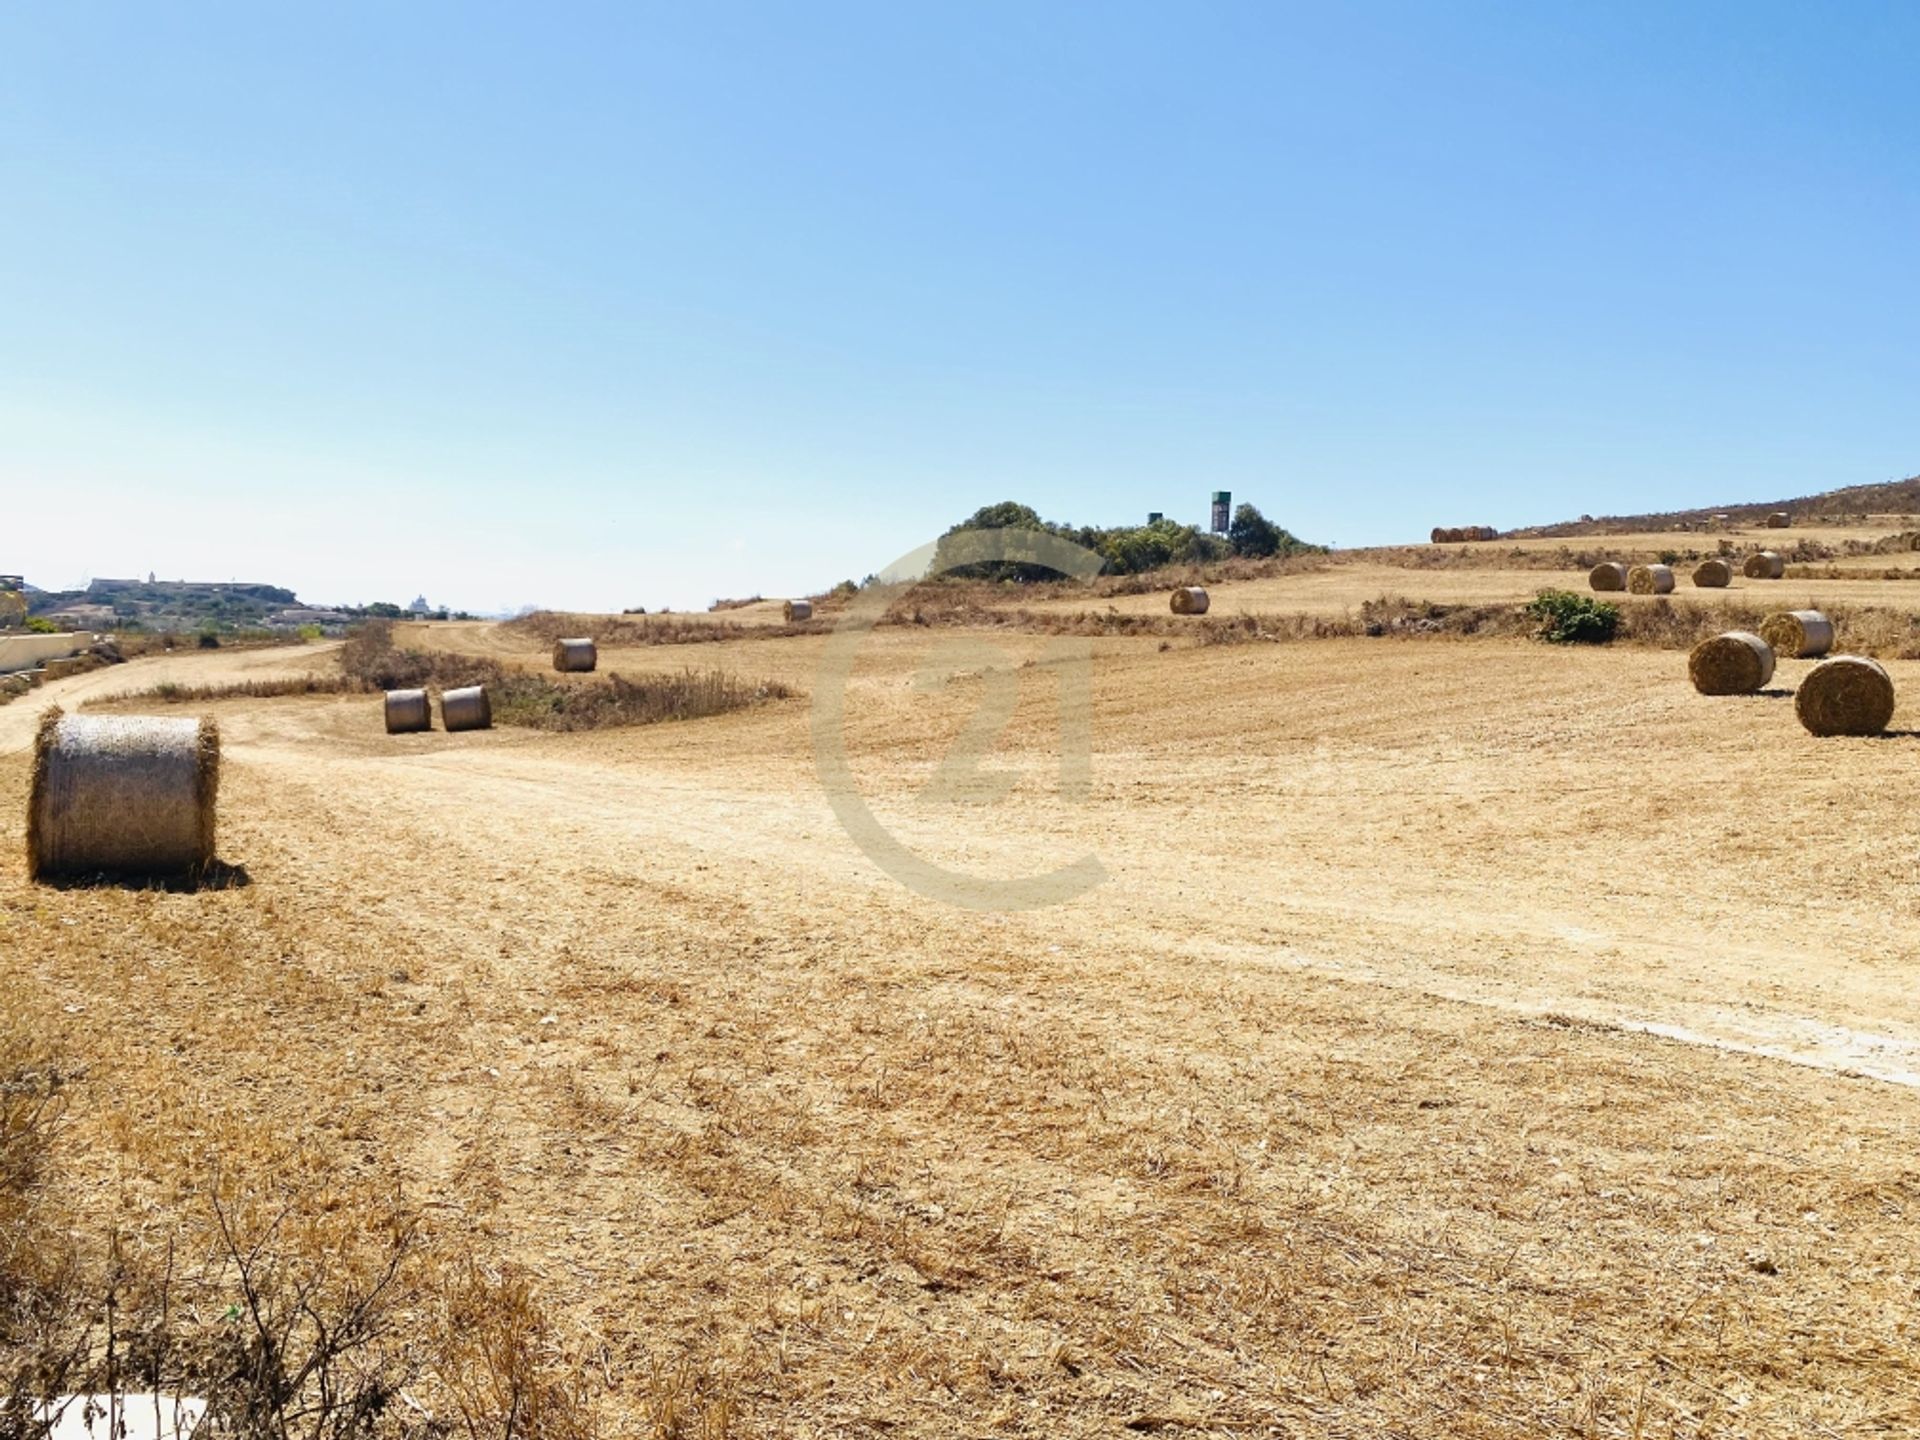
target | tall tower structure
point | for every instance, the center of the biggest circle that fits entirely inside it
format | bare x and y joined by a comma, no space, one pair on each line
1222,510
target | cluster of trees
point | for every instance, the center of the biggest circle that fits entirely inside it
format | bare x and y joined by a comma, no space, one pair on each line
1128,550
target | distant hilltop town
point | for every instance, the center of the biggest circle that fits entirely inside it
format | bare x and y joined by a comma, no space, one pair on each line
226,605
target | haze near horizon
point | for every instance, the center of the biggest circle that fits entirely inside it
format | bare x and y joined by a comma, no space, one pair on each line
621,306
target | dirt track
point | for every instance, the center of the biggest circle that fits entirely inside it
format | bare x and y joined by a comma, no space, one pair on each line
1344,1105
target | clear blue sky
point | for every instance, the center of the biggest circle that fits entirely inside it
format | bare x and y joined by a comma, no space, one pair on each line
645,303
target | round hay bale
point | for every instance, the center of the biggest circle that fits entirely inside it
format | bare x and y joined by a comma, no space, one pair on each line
1799,634
1608,575
1736,663
408,711
1650,580
1779,520
1764,565
799,610
1845,695
1438,535
468,708
575,656
122,794
1713,575
1190,600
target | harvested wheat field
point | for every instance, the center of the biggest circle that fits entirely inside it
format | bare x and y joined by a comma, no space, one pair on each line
1513,570
1465,1070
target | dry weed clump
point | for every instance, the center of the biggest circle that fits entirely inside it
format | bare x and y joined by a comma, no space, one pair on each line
293,1308
171,692
633,631
1681,624
518,697
370,662
33,1097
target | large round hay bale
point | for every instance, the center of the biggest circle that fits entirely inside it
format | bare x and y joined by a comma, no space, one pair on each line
1608,575
799,610
1438,535
408,711
1650,580
575,656
1798,634
1190,600
1713,575
1779,520
468,708
122,794
1736,663
1764,565
1845,695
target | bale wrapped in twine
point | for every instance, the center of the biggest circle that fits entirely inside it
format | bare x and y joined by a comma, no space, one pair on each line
1736,663
1190,600
1713,575
575,656
1650,580
1845,695
799,610
1799,634
1608,575
408,711
1764,565
1779,520
468,708
122,794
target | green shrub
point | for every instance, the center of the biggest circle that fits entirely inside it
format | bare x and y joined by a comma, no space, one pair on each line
1569,619
40,625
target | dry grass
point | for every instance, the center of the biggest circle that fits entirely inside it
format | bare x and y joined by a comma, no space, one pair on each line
372,664
172,692
624,631
800,1155
293,1303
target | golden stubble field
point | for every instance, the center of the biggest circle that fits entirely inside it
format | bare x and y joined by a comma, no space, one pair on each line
1471,1038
